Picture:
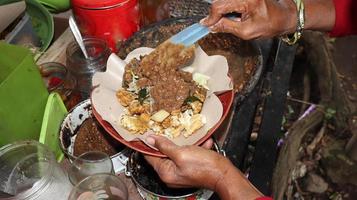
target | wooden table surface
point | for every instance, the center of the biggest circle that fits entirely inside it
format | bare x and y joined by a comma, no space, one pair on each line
57,51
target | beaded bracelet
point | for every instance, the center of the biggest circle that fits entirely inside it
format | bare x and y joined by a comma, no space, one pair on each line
300,24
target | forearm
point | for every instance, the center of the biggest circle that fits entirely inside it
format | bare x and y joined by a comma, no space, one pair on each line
319,14
234,185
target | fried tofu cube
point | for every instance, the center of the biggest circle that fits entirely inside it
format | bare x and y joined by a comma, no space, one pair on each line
166,123
173,132
196,106
145,117
136,108
176,112
199,96
200,93
134,124
177,131
196,122
125,97
160,116
157,128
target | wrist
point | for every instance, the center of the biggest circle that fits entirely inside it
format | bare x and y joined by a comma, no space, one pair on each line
234,185
290,20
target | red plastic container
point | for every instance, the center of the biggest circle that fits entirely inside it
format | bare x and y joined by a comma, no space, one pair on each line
111,20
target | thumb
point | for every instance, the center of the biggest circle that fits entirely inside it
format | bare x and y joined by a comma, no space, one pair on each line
163,144
221,7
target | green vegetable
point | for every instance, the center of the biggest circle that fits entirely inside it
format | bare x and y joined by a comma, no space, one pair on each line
190,99
142,95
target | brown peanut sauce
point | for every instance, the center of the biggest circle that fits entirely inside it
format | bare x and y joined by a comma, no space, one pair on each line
160,70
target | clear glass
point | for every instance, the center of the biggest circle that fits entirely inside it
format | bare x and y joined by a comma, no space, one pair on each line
58,79
89,163
28,170
82,68
100,186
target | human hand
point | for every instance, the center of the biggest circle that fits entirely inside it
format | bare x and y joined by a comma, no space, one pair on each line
259,18
187,166
194,166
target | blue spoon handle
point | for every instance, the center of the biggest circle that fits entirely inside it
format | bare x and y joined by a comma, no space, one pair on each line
195,32
190,35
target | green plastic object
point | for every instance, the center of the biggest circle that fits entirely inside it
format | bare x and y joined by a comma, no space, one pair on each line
56,6
54,114
51,5
42,22
23,95
4,2
39,33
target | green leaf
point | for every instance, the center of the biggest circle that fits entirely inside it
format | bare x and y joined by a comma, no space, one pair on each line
190,99
142,95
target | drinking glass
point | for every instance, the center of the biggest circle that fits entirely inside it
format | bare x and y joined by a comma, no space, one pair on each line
83,68
100,186
89,163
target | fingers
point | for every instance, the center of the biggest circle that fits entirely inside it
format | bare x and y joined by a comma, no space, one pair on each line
163,144
208,144
238,28
226,25
162,166
165,168
175,185
155,162
221,7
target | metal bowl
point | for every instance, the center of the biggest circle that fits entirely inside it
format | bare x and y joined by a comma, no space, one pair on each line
69,129
150,186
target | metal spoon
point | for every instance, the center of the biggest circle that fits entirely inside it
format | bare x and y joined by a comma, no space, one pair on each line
77,35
